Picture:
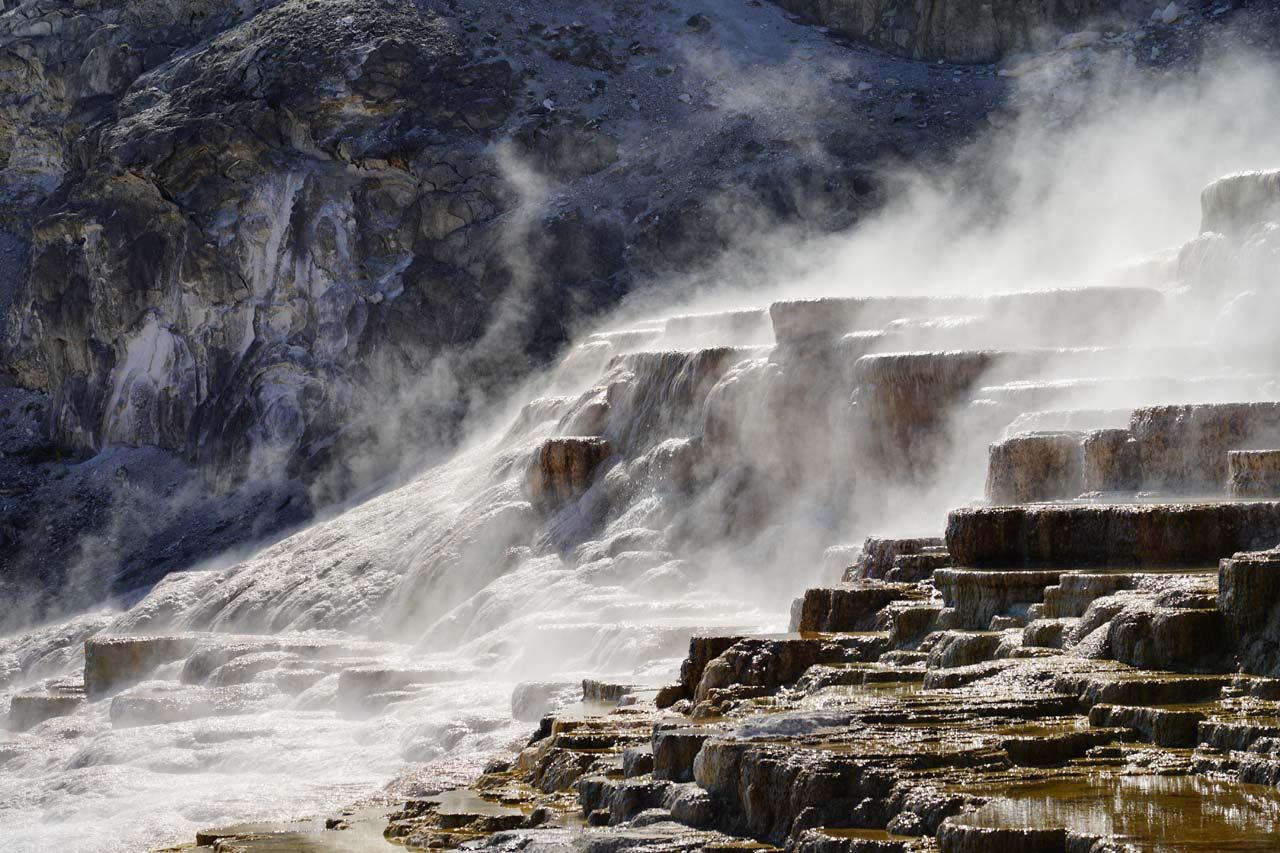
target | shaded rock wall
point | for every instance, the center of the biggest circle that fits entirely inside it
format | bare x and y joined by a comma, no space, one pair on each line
1115,534
953,30
254,226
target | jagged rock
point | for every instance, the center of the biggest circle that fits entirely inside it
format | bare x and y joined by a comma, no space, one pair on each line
272,367
958,31
879,555
770,662
702,650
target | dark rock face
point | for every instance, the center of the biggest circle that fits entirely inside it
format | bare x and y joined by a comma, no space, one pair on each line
952,30
1104,535
202,271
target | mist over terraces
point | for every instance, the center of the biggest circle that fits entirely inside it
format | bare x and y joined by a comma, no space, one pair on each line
814,427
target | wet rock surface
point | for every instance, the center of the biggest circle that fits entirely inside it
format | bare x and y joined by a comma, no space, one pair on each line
1075,652
1047,674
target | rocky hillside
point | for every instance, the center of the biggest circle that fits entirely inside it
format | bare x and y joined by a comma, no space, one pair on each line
252,242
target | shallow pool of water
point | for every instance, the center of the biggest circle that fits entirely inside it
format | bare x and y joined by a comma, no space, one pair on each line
1157,814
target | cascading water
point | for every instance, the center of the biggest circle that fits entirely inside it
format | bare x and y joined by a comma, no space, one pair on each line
676,477
428,602
385,642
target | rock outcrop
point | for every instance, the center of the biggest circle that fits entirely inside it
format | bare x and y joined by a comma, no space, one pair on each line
953,30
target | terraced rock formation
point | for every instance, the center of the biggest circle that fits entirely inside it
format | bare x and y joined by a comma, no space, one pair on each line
1086,660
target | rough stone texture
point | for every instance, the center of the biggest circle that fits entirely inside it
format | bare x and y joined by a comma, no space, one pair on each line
973,598
1038,466
1163,638
879,554
1183,449
955,30
1249,590
1111,461
962,648
1161,726
1110,535
563,468
254,229
903,402
674,750
236,176
770,662
1253,473
1249,600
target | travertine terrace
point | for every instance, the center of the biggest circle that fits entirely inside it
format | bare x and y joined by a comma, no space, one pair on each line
1086,659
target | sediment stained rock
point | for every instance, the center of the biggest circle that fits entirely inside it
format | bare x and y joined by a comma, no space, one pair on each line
1110,535
1038,466
852,607
1111,462
1253,473
973,598
879,555
563,469
769,662
1183,449
113,662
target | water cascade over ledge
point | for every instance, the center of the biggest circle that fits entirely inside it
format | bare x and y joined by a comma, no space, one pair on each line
631,542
